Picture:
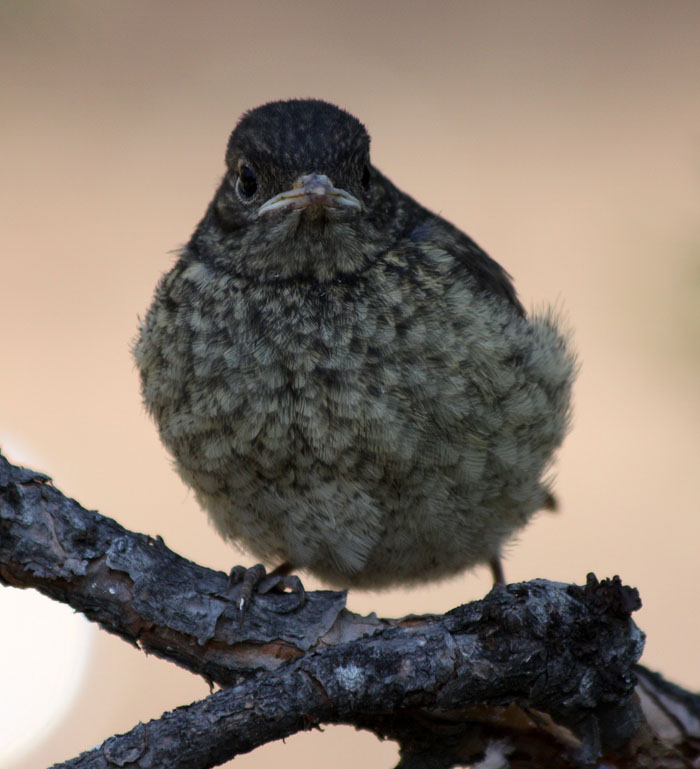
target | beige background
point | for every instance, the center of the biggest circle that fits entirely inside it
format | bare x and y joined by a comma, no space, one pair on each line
564,137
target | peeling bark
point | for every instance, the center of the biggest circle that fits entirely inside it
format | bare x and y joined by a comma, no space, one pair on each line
543,672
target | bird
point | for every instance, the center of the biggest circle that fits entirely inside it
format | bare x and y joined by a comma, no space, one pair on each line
349,384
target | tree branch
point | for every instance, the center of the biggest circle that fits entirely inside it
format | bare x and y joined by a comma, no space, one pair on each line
544,666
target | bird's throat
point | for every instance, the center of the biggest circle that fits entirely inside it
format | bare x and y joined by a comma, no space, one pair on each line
313,248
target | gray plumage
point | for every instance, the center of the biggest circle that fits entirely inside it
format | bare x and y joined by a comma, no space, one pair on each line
348,382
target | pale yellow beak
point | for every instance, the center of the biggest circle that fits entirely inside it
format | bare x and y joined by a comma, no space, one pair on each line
311,190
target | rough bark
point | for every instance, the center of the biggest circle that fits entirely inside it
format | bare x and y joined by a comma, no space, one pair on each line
540,672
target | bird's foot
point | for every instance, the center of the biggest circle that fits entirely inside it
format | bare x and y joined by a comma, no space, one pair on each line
499,578
256,580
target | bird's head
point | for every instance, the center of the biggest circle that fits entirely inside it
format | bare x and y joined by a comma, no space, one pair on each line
300,195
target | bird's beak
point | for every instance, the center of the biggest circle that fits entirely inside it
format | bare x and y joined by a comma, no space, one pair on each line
311,190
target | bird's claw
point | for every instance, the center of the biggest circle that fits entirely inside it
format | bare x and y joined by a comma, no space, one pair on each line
256,580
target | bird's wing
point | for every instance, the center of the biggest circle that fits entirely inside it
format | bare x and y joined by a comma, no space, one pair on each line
471,262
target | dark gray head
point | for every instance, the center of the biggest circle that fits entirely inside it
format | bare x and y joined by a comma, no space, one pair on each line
301,136
298,155
300,193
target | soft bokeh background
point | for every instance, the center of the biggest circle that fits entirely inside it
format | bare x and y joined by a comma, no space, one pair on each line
564,137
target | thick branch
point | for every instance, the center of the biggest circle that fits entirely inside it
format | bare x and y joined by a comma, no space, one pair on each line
271,706
136,587
539,646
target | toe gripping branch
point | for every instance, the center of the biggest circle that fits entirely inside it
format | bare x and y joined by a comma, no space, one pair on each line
252,581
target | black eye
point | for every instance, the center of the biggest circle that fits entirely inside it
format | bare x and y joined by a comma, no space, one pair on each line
366,177
247,183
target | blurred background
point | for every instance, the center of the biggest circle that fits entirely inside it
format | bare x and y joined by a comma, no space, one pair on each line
563,137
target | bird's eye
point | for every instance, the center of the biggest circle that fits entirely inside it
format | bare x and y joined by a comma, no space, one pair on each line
366,177
247,182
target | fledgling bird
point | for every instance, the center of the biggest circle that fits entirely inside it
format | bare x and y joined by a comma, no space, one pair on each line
348,382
